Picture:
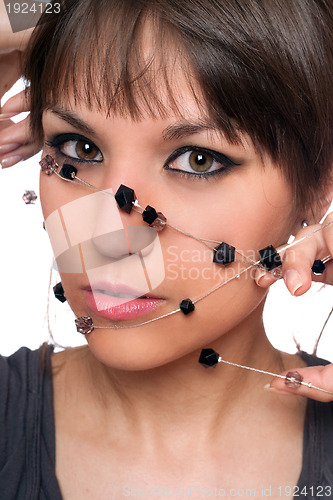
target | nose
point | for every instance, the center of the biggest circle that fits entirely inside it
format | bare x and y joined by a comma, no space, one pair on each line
112,237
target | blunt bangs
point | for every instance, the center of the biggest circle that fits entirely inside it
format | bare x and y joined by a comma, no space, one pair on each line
120,58
260,67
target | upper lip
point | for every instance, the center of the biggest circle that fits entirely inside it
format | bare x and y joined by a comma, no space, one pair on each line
118,290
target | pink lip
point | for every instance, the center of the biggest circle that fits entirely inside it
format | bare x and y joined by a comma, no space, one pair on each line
109,305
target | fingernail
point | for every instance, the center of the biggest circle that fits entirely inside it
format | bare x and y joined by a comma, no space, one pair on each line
293,280
10,161
6,148
6,116
259,277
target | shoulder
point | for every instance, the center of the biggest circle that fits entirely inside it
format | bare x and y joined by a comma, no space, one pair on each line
19,372
22,378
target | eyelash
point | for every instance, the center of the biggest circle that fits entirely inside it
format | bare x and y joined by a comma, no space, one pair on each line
59,140
218,157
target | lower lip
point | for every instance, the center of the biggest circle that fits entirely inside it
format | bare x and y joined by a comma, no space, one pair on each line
110,307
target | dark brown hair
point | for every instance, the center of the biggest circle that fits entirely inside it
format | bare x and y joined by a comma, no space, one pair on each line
263,67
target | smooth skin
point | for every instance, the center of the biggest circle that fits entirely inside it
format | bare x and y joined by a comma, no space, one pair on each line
144,384
135,409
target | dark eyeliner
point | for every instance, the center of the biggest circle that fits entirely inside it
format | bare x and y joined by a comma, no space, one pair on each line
61,139
225,162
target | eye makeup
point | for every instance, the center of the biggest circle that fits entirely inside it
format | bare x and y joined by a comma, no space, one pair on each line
191,162
200,162
62,141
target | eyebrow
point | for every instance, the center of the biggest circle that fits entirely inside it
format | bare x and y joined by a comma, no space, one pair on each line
184,129
172,132
73,119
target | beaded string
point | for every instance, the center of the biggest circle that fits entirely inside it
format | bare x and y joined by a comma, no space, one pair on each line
53,167
293,379
208,357
85,325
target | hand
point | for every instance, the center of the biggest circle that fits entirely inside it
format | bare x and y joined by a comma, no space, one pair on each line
15,139
15,142
297,261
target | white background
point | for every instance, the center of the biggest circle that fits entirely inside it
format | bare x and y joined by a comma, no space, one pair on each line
26,262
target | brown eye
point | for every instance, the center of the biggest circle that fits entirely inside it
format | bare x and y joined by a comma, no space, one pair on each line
86,151
200,162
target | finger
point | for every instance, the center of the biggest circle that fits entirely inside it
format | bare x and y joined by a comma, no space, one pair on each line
17,104
16,144
312,243
320,377
298,259
20,154
16,133
265,279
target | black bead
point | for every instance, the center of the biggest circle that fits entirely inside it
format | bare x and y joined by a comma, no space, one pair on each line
68,172
270,258
209,358
59,292
318,267
187,306
125,197
224,254
149,214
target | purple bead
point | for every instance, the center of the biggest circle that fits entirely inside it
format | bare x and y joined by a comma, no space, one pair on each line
29,197
48,165
84,325
159,223
293,380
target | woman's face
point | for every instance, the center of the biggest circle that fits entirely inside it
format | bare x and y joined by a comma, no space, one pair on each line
122,272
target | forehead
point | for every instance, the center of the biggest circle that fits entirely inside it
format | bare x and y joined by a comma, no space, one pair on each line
161,93
148,73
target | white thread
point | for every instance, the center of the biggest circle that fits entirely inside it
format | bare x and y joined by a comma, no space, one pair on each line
307,384
137,208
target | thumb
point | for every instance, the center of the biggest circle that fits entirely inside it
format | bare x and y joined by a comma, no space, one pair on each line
317,383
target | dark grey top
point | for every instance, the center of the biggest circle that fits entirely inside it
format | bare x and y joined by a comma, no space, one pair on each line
27,434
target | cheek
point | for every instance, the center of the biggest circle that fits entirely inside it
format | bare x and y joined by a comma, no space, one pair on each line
55,193
249,211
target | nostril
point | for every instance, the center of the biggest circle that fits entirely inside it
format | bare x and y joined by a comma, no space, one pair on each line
141,239
118,244
112,244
